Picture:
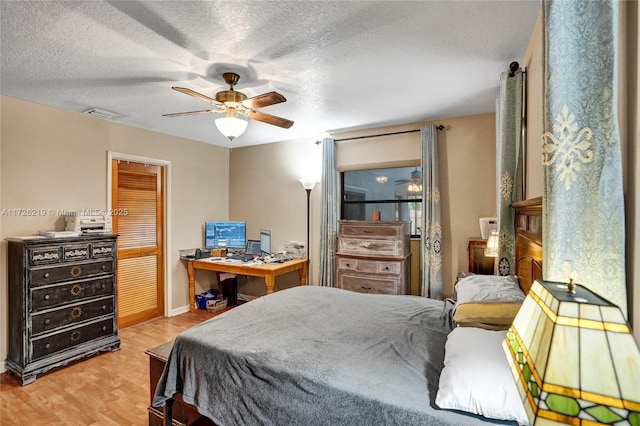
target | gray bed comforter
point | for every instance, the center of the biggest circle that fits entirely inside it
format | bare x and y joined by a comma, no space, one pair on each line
316,356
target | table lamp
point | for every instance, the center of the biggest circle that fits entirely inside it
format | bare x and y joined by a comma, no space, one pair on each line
574,358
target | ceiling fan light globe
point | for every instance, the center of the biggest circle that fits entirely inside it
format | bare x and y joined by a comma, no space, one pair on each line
231,127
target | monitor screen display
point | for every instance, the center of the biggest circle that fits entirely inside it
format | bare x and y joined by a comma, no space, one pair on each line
265,241
225,234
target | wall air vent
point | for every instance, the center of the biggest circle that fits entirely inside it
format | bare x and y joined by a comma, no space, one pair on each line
101,113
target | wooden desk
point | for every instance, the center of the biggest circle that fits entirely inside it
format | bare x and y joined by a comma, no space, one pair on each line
269,271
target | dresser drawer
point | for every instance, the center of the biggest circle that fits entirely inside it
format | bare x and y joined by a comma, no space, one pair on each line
370,266
68,315
48,297
75,252
364,247
103,249
374,284
46,345
43,255
380,230
58,273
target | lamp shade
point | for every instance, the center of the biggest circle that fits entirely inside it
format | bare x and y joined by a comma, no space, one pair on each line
492,244
574,358
308,183
231,127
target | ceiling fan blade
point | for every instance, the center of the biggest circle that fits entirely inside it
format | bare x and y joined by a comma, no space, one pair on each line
271,119
180,114
196,95
264,100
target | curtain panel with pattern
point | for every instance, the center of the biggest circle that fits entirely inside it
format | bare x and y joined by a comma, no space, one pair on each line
329,220
583,215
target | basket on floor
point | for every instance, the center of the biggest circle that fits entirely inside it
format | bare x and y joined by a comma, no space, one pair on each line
216,305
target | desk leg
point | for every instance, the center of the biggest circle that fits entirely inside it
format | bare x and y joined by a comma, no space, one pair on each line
270,281
303,274
191,271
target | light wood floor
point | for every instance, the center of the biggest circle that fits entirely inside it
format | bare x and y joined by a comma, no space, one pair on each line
108,389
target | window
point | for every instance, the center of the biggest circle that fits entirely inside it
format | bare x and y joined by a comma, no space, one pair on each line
396,193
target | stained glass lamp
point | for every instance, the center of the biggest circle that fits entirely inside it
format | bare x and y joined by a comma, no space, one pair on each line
574,358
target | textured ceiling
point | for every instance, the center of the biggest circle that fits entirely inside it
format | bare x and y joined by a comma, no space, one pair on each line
342,65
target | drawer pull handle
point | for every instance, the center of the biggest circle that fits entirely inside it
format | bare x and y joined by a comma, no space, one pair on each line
386,268
76,289
103,267
47,321
104,328
46,297
104,307
348,265
103,286
75,271
366,288
47,346
75,336
368,231
76,312
46,275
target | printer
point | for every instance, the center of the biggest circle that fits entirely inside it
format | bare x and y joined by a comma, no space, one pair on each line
88,224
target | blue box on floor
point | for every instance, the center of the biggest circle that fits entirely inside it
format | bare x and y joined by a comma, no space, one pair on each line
201,299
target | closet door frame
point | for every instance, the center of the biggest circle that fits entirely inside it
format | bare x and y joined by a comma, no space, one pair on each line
112,155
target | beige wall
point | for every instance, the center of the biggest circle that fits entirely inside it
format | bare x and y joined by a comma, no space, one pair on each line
264,187
534,112
52,159
265,191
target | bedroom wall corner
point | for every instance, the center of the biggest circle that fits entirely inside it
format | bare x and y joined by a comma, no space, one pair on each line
55,159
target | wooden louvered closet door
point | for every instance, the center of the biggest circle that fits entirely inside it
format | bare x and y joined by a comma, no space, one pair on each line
138,190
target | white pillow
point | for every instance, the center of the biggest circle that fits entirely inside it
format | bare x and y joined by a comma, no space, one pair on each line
489,288
476,377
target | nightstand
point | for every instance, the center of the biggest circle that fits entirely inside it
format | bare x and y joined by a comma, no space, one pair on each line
478,263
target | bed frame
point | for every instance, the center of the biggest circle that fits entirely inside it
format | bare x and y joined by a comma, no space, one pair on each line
528,244
528,264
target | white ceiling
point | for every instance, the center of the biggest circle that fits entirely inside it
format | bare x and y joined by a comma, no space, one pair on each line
342,65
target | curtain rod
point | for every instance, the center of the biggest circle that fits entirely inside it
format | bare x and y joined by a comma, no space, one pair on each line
513,67
439,127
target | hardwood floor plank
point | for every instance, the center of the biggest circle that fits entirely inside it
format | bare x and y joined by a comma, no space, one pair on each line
108,389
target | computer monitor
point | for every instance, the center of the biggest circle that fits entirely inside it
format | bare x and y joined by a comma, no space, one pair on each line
265,241
221,234
253,247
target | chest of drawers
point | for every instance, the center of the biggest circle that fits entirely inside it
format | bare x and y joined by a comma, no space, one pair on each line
62,302
373,257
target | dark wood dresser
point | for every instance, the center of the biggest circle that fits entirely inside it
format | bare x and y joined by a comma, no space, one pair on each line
62,302
182,414
373,257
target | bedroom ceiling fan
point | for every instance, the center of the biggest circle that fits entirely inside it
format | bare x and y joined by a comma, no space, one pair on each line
233,103
415,183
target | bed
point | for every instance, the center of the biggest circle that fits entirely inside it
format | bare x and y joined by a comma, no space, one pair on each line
321,356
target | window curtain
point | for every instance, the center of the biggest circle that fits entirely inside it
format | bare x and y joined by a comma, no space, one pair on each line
329,220
583,215
509,160
431,247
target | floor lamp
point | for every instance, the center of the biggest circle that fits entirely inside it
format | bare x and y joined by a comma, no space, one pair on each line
308,185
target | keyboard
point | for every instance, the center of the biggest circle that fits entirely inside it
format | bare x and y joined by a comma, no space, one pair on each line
241,257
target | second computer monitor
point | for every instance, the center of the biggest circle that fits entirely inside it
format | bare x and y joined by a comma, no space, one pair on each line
265,241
